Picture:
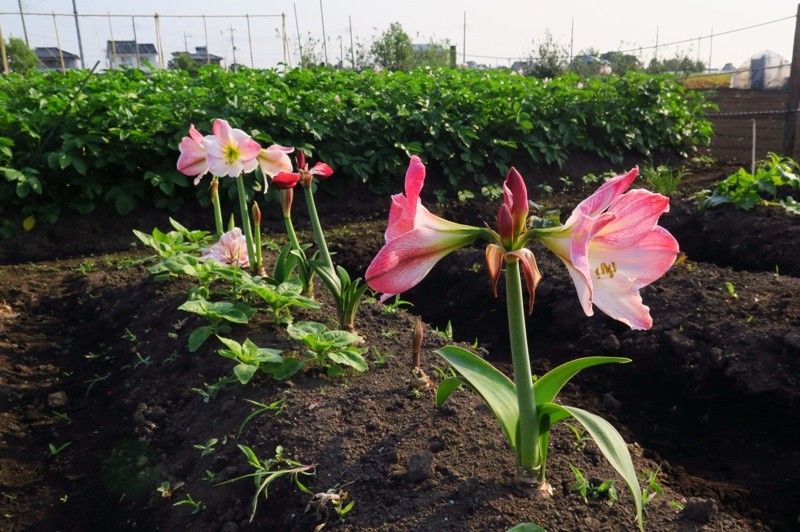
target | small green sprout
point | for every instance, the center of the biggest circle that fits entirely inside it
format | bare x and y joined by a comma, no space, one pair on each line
56,450
652,486
197,506
207,447
731,289
591,490
260,408
397,303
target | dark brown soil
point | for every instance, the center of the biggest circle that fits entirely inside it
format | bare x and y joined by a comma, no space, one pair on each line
711,399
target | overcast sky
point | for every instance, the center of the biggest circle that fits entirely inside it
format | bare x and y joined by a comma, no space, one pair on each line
501,28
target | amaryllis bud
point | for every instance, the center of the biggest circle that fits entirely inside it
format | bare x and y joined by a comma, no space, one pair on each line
301,160
256,215
416,342
505,225
519,209
286,197
494,263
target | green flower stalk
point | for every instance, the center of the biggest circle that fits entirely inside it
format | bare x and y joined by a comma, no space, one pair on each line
257,240
245,215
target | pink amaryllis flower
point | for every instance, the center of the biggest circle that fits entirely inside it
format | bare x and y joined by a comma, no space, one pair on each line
230,151
230,249
415,239
613,247
192,160
275,159
304,174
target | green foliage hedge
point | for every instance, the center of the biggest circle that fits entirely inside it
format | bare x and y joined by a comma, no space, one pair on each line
68,142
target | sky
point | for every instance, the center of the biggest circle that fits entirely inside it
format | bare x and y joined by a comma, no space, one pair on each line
502,29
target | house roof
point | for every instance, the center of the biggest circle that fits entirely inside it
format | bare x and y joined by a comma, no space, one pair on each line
129,47
199,54
51,52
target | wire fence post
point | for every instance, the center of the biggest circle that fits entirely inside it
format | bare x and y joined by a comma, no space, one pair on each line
159,42
136,43
287,58
3,52
205,33
793,95
250,42
113,43
753,151
58,43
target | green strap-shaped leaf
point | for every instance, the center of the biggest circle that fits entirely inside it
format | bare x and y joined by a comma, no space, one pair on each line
445,389
547,386
526,527
610,443
495,388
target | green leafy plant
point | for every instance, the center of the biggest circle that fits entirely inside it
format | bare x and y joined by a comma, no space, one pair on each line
396,303
210,391
593,490
220,314
774,178
652,486
265,472
662,178
330,350
196,506
279,299
179,240
250,358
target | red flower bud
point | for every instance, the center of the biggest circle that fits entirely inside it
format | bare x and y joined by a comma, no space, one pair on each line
505,225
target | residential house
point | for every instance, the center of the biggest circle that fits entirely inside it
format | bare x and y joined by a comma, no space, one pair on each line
50,58
131,54
200,57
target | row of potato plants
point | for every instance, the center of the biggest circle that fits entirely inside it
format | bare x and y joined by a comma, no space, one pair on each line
80,140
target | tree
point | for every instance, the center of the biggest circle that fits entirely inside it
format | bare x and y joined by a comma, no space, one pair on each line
621,63
20,58
679,64
183,61
548,59
433,54
392,50
360,52
311,52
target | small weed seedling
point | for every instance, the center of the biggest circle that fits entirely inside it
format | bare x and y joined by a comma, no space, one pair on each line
260,408
592,490
55,451
250,358
447,333
330,350
167,490
129,336
397,303
580,436
676,505
265,472
492,192
86,266
210,476
652,486
334,499
95,380
63,416
209,391
730,288
197,506
207,447
465,195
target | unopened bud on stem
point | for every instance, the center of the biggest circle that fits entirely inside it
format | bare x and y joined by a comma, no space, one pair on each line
416,343
286,197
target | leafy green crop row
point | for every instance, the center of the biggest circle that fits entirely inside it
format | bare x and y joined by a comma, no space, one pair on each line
71,142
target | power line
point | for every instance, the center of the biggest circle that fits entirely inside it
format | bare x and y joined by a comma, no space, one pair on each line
651,47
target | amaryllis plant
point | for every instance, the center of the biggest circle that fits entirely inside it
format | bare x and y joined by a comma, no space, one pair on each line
230,152
612,247
347,292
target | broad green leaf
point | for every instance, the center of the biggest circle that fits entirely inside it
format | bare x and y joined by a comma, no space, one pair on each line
301,329
496,389
284,370
546,387
244,372
349,357
445,389
612,446
199,336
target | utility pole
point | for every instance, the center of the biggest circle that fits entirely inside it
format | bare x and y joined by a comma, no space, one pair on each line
185,42
24,27
233,44
78,31
352,50
571,37
655,50
324,38
297,27
3,53
793,95
464,41
136,42
710,46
